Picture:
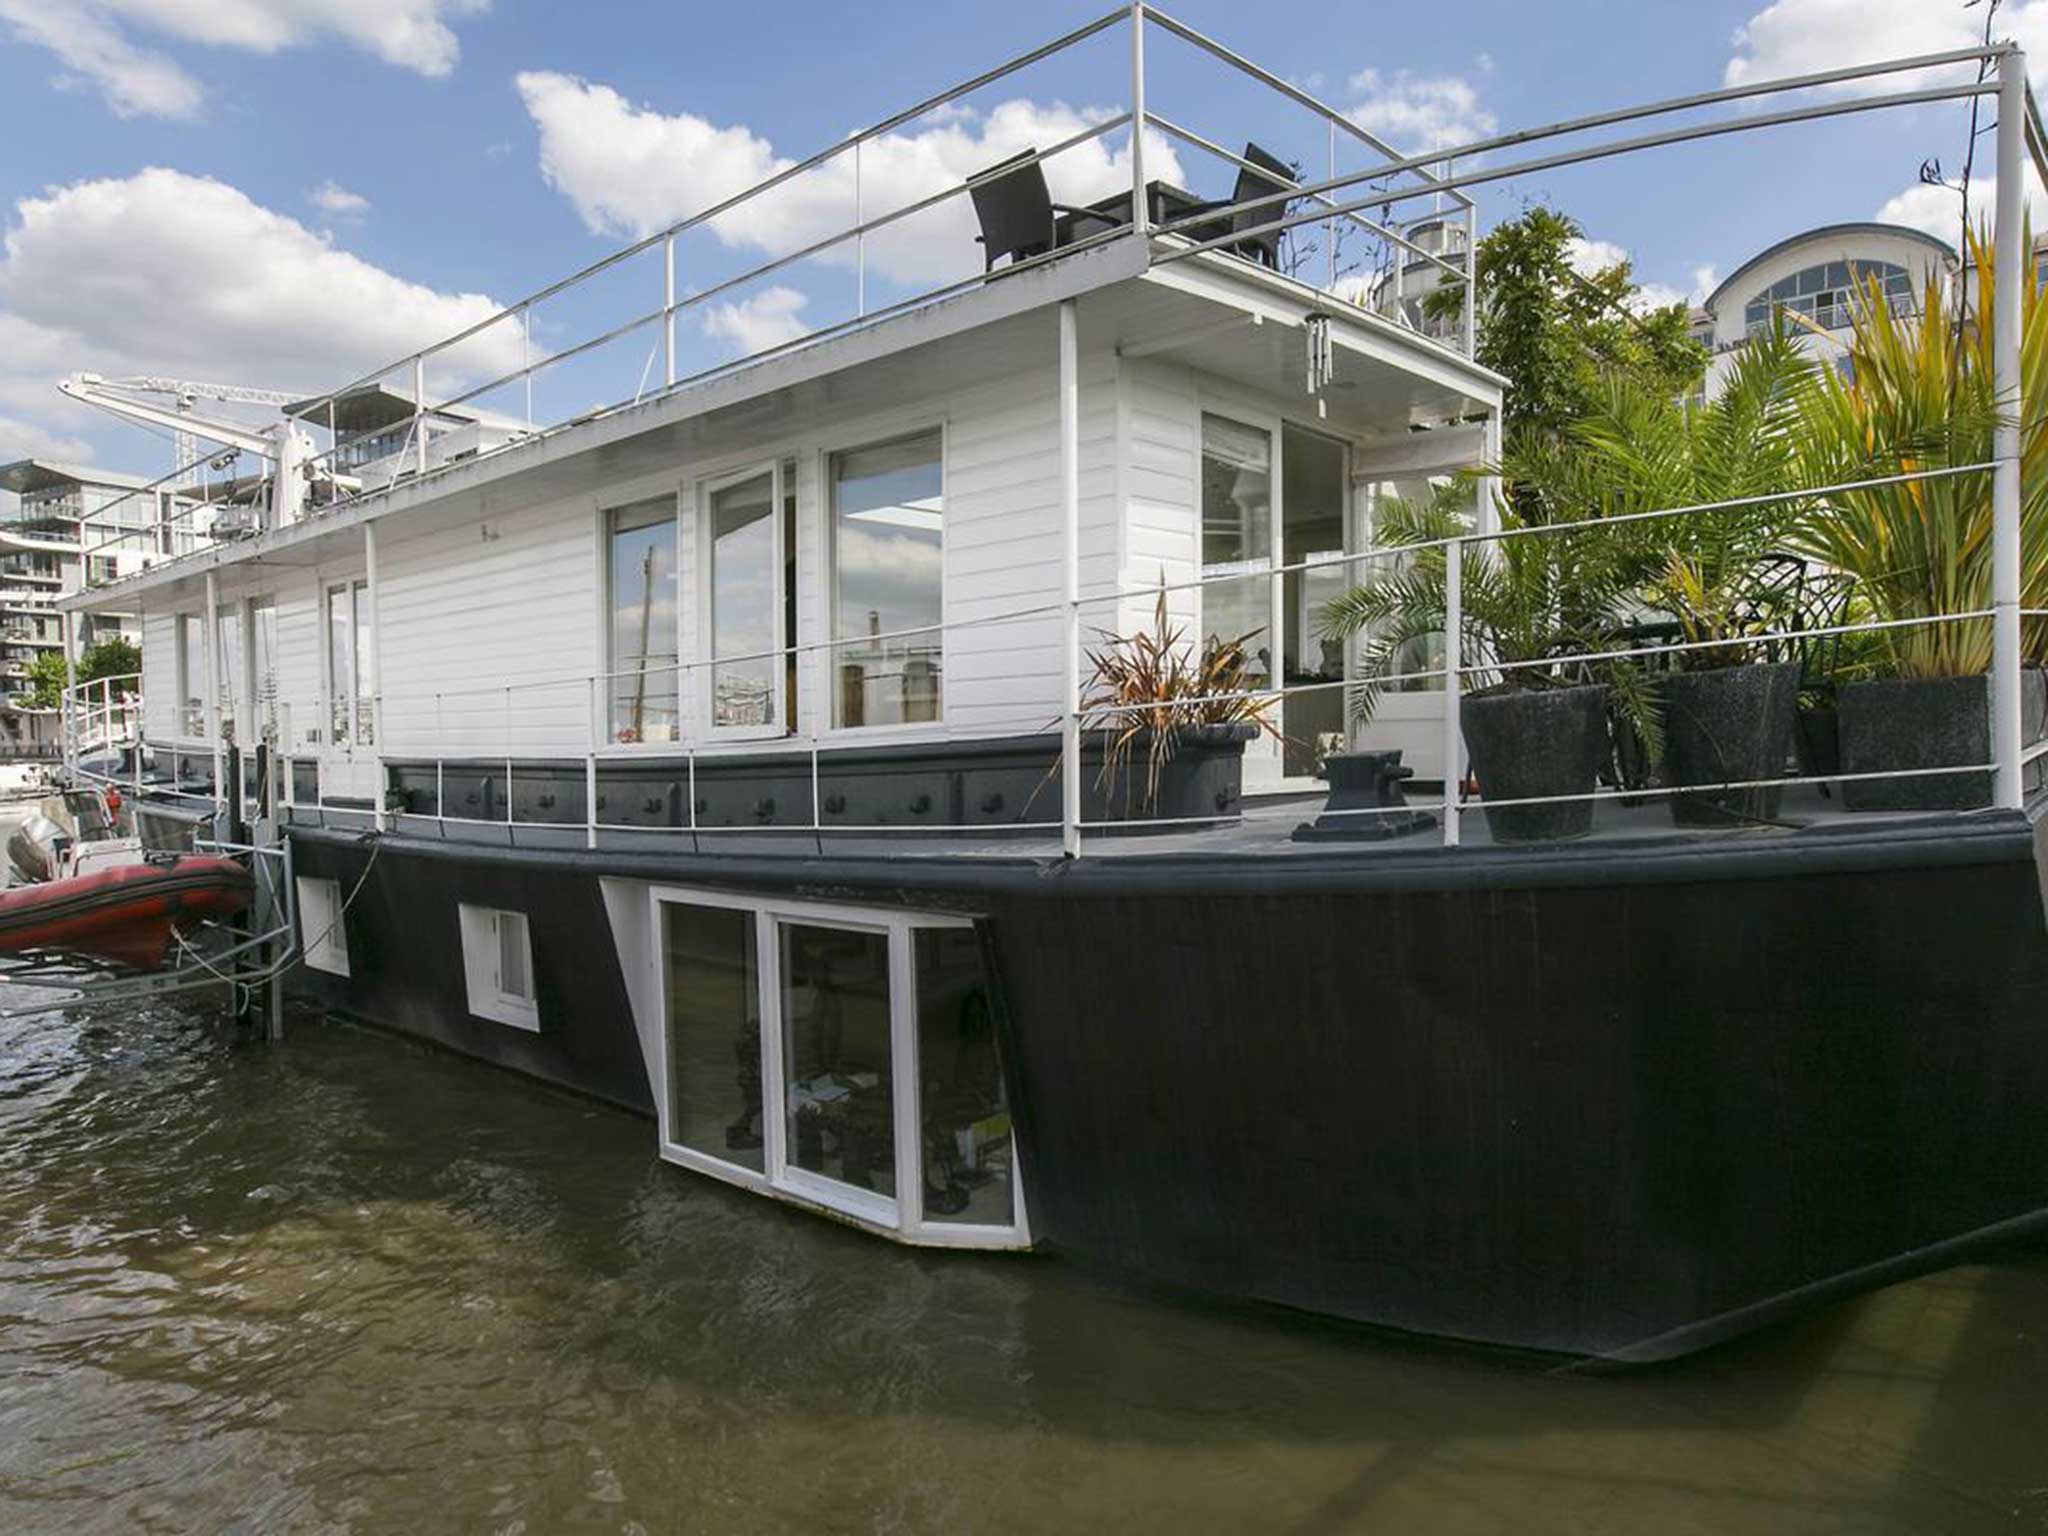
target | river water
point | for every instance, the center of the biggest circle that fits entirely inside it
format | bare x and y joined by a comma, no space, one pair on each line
346,1284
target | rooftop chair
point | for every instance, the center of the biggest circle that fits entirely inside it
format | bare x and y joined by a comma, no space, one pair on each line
1272,175
1015,209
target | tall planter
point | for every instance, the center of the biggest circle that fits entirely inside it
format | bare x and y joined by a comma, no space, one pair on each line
1530,744
1726,726
1929,722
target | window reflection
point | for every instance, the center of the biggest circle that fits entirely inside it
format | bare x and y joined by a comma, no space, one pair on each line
644,688
965,1114
836,1057
744,610
714,1042
888,577
1237,540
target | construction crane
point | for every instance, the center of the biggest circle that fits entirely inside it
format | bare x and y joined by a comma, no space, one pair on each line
285,444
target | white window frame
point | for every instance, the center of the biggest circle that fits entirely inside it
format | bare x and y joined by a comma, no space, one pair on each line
706,626
323,925
482,934
612,499
827,691
901,1216
348,587
187,675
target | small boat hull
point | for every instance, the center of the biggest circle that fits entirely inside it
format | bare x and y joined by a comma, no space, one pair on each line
123,915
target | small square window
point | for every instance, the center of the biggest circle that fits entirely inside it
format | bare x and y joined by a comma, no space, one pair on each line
323,935
497,966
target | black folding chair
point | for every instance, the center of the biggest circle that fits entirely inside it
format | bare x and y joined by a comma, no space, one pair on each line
1266,174
1016,210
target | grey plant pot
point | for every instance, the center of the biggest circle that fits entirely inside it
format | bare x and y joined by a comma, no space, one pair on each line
1535,743
1930,722
1728,725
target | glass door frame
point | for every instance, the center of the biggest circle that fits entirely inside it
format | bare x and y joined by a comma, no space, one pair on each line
901,1215
777,726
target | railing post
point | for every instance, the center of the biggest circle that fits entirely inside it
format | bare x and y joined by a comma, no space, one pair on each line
526,358
1141,213
2011,276
67,713
860,240
211,694
668,303
419,413
1070,508
1454,627
590,763
1471,283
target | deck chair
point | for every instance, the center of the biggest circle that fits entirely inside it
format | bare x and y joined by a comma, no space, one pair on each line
1016,210
1266,173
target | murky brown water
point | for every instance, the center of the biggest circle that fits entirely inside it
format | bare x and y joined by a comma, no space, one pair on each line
344,1284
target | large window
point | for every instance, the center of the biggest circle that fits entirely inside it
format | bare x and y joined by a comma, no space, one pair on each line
842,1057
746,610
645,692
1828,292
349,639
888,582
1237,540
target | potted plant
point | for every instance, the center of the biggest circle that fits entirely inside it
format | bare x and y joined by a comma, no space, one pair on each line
1719,577
1920,394
1532,603
1184,714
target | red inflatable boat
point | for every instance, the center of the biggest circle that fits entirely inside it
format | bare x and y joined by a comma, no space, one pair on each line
124,914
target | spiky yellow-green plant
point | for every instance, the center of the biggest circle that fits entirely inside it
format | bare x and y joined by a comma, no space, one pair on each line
1920,394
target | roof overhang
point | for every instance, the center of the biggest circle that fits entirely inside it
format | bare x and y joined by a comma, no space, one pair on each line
25,477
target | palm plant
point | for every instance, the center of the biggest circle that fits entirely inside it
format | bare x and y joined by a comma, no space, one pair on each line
1712,571
1920,395
1533,603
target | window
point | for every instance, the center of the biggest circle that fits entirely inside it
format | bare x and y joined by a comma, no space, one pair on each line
264,686
843,1057
230,683
888,582
745,602
191,675
1237,539
641,584
350,706
497,966
323,935
1828,293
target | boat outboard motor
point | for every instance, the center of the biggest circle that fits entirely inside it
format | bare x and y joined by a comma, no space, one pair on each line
36,848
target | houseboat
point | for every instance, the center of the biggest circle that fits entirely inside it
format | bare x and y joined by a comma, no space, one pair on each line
722,754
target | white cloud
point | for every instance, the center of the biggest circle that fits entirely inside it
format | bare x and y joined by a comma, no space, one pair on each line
331,197
1420,112
1797,37
135,83
767,319
29,440
1705,279
162,272
1589,258
630,170
1939,210
90,38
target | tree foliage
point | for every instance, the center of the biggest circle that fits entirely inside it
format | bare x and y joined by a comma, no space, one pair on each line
115,656
1555,333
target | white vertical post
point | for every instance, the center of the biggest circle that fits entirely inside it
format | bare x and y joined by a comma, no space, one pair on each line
1329,224
1454,627
376,678
67,711
1471,281
419,414
1141,213
526,359
2011,278
1070,550
211,693
590,763
860,240
668,304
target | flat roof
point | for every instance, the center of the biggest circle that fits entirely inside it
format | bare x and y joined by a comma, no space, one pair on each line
373,407
26,476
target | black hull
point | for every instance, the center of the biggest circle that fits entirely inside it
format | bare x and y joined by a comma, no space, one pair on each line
1595,1101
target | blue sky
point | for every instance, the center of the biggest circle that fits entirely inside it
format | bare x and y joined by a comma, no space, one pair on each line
472,151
